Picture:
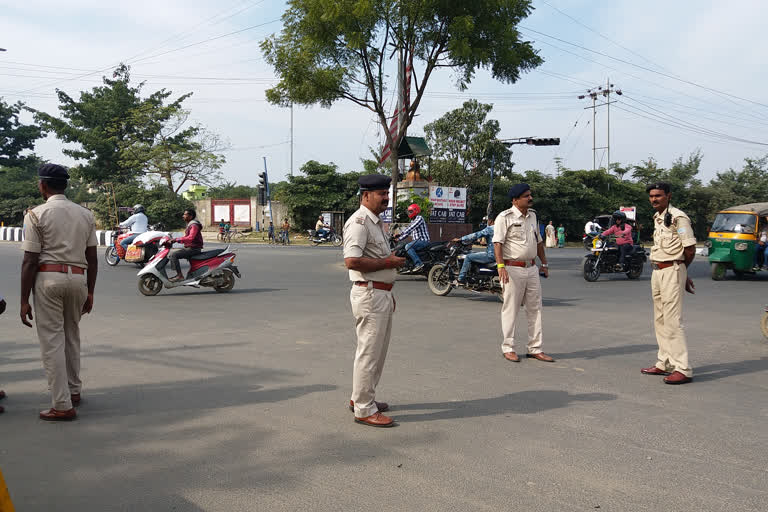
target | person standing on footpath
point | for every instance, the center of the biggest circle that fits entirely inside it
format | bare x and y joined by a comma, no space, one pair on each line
674,247
516,243
2,310
371,267
60,264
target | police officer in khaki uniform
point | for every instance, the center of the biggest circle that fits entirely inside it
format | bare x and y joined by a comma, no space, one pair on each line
59,267
372,272
516,243
674,247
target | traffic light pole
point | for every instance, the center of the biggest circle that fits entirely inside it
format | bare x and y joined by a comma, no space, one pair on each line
269,196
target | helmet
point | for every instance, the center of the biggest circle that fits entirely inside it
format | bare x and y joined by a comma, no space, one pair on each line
137,208
413,210
619,215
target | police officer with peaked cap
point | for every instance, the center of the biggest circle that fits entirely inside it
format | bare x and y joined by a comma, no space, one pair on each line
516,243
371,267
59,267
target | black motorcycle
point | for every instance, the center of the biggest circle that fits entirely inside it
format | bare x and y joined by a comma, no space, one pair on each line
329,237
604,259
430,255
480,277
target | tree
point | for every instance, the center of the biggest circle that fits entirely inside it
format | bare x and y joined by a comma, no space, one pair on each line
231,190
329,51
323,188
178,152
162,206
16,137
100,122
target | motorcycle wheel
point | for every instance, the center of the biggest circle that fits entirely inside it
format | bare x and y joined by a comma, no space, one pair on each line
150,284
336,241
635,271
717,271
228,282
111,256
439,280
764,324
591,270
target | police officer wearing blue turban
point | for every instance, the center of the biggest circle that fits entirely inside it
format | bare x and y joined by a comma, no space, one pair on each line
517,242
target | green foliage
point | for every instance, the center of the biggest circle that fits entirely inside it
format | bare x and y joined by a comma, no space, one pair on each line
231,190
162,206
103,119
322,188
328,51
402,206
15,137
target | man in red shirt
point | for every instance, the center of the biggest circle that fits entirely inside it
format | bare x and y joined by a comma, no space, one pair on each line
192,240
623,233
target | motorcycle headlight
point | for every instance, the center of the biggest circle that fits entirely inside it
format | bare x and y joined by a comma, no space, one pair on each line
741,246
599,244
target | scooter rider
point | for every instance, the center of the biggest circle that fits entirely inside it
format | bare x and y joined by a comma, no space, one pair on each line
192,240
137,223
320,227
623,232
477,257
417,230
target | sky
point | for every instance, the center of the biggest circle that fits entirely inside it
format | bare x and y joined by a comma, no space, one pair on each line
689,72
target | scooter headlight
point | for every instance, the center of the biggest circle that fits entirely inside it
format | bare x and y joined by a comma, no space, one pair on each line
740,246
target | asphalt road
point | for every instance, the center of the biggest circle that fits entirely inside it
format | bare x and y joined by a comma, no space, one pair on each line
198,401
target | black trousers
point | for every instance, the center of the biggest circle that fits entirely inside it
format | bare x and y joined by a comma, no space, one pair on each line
185,253
624,249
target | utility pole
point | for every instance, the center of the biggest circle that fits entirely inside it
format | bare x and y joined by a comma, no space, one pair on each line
291,139
594,93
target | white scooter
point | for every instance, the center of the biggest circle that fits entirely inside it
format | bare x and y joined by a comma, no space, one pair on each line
215,269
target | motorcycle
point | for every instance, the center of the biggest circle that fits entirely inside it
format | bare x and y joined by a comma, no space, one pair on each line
215,269
480,277
141,250
604,258
764,323
330,236
430,255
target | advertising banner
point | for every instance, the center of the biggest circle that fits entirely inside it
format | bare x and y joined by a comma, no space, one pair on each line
629,211
449,205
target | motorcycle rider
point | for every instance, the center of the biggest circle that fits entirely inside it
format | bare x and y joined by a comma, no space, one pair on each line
592,228
417,230
320,227
623,232
192,240
137,223
477,257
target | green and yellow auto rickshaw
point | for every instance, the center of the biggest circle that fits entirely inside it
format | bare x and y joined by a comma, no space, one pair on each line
733,239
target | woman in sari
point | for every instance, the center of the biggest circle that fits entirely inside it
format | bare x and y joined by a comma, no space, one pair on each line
550,232
561,236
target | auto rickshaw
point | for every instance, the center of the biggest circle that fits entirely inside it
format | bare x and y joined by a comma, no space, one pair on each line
733,239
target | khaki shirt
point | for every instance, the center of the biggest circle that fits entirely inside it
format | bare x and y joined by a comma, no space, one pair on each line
59,230
669,242
364,237
518,234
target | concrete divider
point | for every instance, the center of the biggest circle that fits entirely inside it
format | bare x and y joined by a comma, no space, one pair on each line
17,234
3,230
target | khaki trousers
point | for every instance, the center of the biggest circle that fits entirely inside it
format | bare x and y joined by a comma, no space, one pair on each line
524,287
59,300
373,310
667,289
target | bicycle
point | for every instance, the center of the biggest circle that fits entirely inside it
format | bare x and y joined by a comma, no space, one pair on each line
282,238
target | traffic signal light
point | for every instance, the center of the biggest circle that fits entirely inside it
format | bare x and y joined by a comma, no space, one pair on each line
263,179
543,142
262,196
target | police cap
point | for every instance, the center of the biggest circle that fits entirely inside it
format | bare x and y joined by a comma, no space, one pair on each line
518,190
374,182
52,172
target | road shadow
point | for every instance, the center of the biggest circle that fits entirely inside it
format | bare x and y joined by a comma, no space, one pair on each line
235,291
595,353
522,402
557,302
718,371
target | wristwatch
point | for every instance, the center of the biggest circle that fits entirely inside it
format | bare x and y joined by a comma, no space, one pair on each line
545,265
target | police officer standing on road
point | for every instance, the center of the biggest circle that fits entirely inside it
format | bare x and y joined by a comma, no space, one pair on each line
371,267
674,247
516,243
60,265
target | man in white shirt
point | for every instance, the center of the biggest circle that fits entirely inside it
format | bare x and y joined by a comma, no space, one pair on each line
592,228
138,224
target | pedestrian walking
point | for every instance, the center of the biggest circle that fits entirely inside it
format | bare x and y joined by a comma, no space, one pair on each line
674,247
550,235
371,267
517,242
560,237
60,265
